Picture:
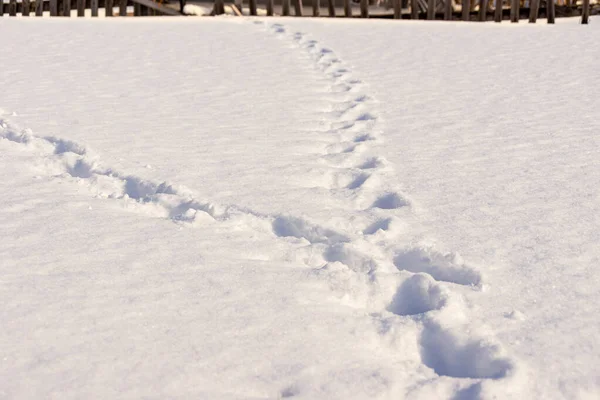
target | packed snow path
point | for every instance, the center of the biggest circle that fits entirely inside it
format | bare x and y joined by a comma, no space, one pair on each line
232,223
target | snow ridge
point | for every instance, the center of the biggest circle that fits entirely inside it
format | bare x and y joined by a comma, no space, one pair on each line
430,281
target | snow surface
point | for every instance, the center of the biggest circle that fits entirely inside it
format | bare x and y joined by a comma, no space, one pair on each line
236,208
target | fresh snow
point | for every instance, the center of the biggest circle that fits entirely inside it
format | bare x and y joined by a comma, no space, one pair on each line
238,208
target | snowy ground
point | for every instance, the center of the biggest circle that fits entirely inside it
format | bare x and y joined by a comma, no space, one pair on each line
271,208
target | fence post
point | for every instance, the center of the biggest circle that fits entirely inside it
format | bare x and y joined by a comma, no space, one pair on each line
316,6
270,7
122,8
447,10
251,5
514,11
81,8
414,9
430,9
466,10
108,8
53,8
94,7
39,8
1,8
137,9
285,8
498,11
483,10
364,8
26,7
397,9
218,7
347,9
66,8
298,7
331,6
12,8
585,12
533,11
551,11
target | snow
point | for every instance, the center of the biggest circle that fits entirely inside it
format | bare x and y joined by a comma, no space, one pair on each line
234,208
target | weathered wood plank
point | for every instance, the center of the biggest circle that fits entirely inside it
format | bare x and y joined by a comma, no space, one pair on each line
285,8
53,8
298,6
533,11
26,8
551,11
347,8
12,8
122,8
585,12
466,10
162,10
514,11
66,8
431,9
219,7
94,7
498,11
331,7
270,7
316,8
252,6
137,9
447,10
483,10
81,8
39,8
397,9
364,8
108,8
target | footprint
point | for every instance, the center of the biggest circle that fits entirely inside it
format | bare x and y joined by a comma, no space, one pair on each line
356,261
372,163
390,201
364,138
140,189
358,181
447,268
298,228
418,294
460,356
81,169
62,146
382,225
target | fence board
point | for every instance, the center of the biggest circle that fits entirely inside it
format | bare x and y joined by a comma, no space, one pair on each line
483,10
533,11
498,11
585,12
251,7
397,9
298,6
108,8
123,8
137,9
347,8
514,11
53,8
270,7
285,8
447,10
331,6
66,8
94,7
430,9
364,8
12,8
219,7
316,8
551,11
466,10
39,8
81,8
26,8
1,8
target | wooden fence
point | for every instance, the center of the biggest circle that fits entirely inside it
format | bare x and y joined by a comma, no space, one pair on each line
417,9
62,8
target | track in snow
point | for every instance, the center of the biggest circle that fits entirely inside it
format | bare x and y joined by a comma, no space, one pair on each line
426,295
